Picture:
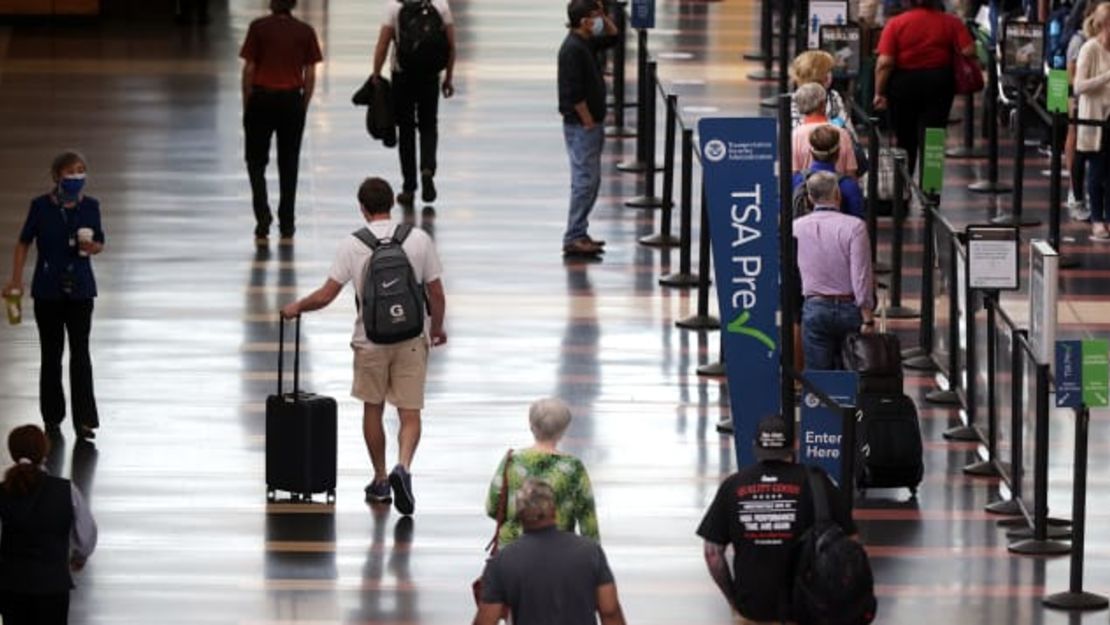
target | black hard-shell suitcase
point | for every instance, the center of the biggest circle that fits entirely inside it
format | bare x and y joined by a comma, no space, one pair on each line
889,438
300,435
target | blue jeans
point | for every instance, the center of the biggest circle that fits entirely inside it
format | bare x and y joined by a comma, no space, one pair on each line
825,323
584,150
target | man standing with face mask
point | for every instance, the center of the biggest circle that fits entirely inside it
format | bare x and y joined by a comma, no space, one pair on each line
582,104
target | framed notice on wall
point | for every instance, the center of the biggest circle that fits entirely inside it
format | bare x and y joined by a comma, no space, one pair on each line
842,41
992,257
1023,48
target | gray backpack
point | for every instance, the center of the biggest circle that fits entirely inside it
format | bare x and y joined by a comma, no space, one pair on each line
392,301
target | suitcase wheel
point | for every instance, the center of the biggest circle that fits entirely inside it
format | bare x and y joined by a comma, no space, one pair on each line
306,497
271,495
331,496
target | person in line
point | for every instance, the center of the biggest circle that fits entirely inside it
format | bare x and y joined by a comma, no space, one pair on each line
816,66
913,76
762,558
582,105
811,100
824,149
65,227
574,498
1092,84
834,261
279,55
415,101
548,575
1076,161
47,533
395,372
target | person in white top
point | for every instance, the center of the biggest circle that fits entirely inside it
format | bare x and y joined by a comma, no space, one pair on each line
1092,84
416,87
395,372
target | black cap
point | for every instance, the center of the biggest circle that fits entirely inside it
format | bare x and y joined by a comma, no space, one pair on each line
578,9
771,435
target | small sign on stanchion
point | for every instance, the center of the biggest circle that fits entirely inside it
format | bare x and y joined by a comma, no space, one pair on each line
992,258
1096,373
823,12
932,160
1023,48
1083,373
1057,94
643,14
1044,284
842,41
820,428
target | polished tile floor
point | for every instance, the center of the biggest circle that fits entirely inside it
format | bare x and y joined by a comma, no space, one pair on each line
184,337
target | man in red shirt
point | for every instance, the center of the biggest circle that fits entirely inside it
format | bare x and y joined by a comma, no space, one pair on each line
279,74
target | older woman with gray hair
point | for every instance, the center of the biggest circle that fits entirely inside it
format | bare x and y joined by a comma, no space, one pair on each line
574,498
811,99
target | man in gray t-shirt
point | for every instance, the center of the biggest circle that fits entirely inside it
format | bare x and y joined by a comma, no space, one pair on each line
548,576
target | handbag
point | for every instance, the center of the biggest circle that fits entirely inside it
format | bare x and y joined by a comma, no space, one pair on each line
492,547
967,75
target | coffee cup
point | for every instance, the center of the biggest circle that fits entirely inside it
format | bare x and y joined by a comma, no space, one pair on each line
84,235
13,301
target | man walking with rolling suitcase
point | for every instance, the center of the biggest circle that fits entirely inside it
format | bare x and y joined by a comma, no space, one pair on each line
396,272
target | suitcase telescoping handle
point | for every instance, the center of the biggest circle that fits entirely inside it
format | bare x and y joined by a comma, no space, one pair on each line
296,356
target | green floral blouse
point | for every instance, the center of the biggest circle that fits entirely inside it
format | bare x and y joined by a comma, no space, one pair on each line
574,498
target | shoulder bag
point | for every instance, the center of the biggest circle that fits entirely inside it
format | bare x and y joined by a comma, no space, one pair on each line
967,75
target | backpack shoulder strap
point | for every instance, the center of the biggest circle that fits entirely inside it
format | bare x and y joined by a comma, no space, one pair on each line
367,238
401,233
819,495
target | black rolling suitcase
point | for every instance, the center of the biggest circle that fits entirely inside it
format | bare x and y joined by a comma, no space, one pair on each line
300,435
889,438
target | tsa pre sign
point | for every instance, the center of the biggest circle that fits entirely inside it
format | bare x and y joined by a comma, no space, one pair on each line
738,164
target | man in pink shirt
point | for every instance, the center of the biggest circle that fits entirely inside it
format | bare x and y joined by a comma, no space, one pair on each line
834,261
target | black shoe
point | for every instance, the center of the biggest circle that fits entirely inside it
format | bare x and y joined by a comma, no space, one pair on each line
405,198
401,481
85,432
427,187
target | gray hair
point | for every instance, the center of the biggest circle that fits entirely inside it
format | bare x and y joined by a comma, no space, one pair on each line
810,97
535,501
822,187
549,418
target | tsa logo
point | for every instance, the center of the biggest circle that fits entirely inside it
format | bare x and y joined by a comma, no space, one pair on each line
716,150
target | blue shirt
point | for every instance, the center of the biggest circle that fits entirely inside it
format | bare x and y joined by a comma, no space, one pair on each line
53,228
851,197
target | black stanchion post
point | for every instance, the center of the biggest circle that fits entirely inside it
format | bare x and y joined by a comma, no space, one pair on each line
684,279
801,25
921,357
1075,598
717,368
1012,506
702,320
950,396
766,44
872,201
664,238
1056,192
640,162
787,259
1040,544
991,184
895,310
967,149
848,452
1015,216
988,467
618,130
648,199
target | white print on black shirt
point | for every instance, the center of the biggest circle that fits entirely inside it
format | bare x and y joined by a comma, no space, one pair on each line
768,512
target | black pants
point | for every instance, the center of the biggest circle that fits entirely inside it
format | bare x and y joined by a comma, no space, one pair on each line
415,105
270,112
24,609
919,99
55,320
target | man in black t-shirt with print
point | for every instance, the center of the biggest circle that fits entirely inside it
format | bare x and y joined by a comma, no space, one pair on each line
762,511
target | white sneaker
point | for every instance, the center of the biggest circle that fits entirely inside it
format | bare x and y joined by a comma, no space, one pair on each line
1077,209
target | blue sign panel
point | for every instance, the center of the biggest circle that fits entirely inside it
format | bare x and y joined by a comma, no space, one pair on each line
1069,374
643,14
738,163
820,431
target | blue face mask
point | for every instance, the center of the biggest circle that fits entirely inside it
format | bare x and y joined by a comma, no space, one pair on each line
69,188
598,27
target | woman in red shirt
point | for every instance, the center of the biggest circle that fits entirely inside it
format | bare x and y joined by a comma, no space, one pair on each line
913,78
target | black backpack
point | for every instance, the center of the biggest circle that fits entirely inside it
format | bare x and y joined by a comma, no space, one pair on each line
833,584
422,46
801,203
392,300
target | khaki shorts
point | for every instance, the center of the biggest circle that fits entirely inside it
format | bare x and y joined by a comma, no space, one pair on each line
393,373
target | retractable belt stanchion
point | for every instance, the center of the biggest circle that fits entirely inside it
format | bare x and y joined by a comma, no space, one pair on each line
664,238
640,162
785,15
872,200
1056,192
684,278
895,310
716,368
1076,598
988,467
1015,217
787,261
990,103
968,149
766,53
921,357
702,320
618,130
950,396
1012,506
648,199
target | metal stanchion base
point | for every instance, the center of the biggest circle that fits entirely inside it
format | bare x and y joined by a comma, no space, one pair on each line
982,469
947,398
923,362
679,280
724,426
1019,521
644,201
1006,507
962,152
1039,548
755,55
1011,220
770,103
1053,532
632,167
901,312
716,369
659,240
764,75
912,352
1076,601
881,267
986,186
1067,261
962,434
619,132
699,322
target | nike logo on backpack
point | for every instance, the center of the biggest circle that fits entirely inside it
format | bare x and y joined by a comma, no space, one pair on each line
386,285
